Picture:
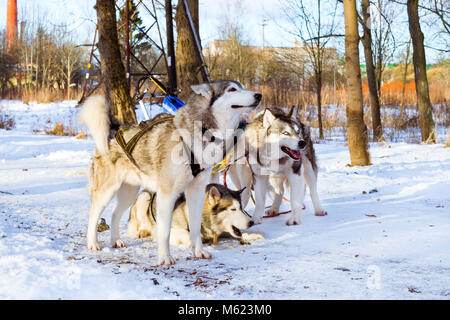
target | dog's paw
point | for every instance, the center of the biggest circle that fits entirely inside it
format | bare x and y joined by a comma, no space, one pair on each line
200,254
93,246
142,234
271,212
253,236
166,260
257,220
247,237
293,220
119,244
320,213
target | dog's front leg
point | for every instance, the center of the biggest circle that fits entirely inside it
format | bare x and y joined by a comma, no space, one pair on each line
195,198
241,176
260,197
311,181
164,208
276,191
297,183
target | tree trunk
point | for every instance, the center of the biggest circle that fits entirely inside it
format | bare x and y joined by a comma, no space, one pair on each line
371,78
356,128
420,74
405,74
187,59
319,63
319,104
113,71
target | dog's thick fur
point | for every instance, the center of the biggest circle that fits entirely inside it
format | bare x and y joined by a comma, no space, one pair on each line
310,171
222,216
164,163
278,147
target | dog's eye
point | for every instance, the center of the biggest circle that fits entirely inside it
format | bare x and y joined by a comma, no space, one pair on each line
232,89
234,209
286,133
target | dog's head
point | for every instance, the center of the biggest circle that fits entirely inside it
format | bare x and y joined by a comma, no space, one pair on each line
227,214
227,96
283,131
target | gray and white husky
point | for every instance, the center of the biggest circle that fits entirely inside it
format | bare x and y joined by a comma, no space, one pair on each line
278,147
163,159
310,172
222,216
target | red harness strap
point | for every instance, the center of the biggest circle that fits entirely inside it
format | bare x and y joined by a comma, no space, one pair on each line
268,216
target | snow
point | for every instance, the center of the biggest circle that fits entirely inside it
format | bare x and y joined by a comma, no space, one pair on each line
386,235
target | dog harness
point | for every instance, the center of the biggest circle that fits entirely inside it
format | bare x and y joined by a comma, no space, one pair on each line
146,126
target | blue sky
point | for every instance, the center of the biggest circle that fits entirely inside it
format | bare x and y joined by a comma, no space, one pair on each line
78,14
80,17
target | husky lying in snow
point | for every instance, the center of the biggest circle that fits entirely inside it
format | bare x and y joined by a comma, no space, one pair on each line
277,147
168,160
222,216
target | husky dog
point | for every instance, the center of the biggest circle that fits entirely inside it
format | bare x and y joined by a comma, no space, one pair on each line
310,170
222,216
275,144
168,160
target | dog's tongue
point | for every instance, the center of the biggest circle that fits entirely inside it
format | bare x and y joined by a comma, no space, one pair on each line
296,153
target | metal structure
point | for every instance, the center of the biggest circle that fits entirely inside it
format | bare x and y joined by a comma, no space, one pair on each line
150,35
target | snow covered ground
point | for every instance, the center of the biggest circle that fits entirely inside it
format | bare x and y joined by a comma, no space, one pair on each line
387,235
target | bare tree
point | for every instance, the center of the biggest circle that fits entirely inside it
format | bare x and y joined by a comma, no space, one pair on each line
356,128
370,69
314,32
113,71
420,74
239,61
384,41
405,74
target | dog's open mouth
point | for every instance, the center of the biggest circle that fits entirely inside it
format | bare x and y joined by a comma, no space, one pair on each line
294,154
237,106
237,232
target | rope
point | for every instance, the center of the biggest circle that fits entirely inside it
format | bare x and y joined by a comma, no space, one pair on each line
150,208
253,199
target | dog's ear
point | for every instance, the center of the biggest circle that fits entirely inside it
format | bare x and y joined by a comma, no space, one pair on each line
203,89
293,112
213,195
242,190
237,193
268,118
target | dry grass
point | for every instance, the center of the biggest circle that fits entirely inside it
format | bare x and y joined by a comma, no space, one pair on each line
280,96
60,130
391,95
81,135
42,95
7,122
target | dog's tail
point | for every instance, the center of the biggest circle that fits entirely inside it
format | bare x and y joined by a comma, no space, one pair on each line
95,115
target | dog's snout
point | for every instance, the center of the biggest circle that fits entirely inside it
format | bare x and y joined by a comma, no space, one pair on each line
250,223
302,144
258,97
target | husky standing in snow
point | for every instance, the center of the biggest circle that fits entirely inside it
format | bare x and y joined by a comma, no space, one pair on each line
222,216
310,171
168,160
275,145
